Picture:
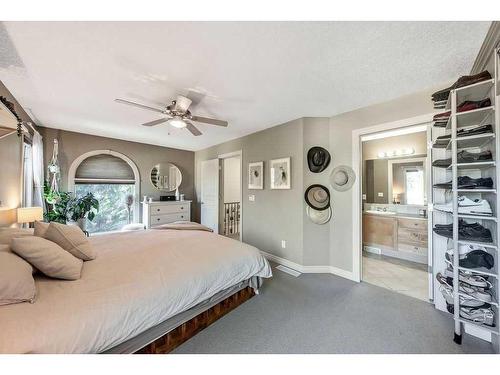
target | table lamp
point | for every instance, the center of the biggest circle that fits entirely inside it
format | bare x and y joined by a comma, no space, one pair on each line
29,214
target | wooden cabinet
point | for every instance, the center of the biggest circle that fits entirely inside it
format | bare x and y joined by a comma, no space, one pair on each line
399,237
157,213
379,230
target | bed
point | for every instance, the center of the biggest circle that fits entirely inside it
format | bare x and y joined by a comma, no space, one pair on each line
142,285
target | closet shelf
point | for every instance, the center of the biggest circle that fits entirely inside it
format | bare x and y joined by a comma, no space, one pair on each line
491,191
477,217
477,243
482,326
475,117
474,141
476,91
476,165
480,271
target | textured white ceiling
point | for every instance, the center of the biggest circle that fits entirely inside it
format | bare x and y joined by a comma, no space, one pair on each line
253,74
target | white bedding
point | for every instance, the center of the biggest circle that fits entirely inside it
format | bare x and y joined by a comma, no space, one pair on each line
138,280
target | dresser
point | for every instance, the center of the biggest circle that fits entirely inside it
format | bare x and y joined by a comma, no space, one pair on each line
157,213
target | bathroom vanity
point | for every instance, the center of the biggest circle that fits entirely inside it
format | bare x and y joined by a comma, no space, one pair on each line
399,235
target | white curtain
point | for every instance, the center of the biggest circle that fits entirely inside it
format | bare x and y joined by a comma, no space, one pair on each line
28,176
38,171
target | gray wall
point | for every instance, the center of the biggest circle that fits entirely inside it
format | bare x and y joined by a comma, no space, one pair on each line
11,157
277,215
72,145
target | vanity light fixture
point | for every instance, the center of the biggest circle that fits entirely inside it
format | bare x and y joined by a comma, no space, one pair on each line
396,153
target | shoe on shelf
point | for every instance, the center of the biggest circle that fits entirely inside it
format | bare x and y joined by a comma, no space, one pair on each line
474,292
441,123
475,130
466,232
442,117
463,157
466,182
467,206
447,293
473,157
468,277
441,163
470,105
461,82
473,259
479,315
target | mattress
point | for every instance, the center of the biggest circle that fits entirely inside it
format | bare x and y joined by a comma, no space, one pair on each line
138,280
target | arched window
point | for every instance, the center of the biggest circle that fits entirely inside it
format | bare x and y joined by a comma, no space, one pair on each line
114,180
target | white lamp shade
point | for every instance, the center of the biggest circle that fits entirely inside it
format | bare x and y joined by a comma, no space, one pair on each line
29,214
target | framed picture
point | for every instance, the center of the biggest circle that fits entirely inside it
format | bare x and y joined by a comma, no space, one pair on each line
280,173
256,175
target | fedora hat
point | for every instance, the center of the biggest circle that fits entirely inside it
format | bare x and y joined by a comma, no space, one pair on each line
319,217
317,197
342,178
318,159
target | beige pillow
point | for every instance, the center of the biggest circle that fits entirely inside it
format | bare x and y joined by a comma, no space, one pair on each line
48,257
7,234
16,281
72,239
4,248
40,228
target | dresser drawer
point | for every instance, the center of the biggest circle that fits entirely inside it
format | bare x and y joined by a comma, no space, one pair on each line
170,218
413,224
420,250
169,209
412,237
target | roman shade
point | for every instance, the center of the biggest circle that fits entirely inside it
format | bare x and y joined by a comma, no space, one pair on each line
104,169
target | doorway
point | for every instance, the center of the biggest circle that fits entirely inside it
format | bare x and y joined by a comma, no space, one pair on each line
395,250
221,193
230,195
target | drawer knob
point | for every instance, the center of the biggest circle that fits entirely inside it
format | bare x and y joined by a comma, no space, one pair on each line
158,209
182,217
158,219
182,207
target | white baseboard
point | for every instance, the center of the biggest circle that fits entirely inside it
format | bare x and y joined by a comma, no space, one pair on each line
309,269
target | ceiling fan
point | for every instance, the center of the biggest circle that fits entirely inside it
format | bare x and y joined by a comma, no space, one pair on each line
177,114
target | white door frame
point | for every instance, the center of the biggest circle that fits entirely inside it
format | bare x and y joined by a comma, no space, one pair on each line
356,190
233,154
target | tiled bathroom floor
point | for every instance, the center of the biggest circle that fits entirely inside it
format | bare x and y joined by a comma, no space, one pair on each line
400,276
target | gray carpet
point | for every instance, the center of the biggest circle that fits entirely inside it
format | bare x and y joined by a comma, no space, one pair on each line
317,313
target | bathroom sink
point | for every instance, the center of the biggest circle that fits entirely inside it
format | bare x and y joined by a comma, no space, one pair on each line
380,212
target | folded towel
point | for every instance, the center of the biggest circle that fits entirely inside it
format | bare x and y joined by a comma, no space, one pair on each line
183,225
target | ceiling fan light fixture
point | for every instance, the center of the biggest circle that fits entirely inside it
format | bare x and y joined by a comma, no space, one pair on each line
177,122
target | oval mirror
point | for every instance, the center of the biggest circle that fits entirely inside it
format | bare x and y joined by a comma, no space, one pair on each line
166,176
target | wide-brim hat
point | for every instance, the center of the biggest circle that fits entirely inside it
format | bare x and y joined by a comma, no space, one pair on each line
317,197
342,178
318,159
319,217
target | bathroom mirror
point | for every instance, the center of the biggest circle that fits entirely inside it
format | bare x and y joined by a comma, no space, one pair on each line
166,176
395,181
407,181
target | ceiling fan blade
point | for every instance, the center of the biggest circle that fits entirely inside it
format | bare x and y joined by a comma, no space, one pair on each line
193,129
210,121
155,122
123,101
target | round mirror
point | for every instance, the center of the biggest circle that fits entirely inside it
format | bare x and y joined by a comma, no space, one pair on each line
166,176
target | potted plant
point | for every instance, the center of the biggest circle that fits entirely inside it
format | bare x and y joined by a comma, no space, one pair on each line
57,205
83,208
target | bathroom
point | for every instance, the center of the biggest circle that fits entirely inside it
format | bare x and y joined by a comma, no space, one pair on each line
395,227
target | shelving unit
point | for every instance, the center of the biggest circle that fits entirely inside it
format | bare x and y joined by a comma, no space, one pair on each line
439,175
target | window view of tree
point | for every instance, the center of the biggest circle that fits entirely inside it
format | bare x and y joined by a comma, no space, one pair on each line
114,212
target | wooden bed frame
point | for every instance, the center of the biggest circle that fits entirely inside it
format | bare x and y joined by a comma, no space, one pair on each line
185,331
